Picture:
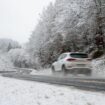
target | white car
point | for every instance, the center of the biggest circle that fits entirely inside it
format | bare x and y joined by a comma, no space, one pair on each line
73,62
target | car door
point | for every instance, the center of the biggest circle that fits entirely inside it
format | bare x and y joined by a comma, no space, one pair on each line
60,62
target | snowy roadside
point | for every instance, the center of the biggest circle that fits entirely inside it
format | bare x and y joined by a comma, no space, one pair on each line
42,72
99,67
18,92
5,62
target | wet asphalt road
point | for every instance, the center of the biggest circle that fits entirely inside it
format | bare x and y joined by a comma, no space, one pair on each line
97,84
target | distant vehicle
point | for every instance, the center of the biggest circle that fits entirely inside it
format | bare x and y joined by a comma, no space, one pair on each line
73,62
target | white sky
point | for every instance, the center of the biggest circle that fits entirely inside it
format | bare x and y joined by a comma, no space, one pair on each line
19,17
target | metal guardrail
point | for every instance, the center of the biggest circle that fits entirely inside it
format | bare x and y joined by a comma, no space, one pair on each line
16,69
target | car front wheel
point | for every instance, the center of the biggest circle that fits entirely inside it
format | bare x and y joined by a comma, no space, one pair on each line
64,71
53,69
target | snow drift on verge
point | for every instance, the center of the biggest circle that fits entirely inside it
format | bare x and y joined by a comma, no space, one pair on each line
5,62
18,92
99,67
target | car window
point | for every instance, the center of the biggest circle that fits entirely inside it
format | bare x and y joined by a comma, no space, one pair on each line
79,55
62,56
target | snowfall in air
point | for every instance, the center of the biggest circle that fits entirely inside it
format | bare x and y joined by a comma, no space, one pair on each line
19,92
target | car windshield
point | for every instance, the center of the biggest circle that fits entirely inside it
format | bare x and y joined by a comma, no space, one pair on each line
79,55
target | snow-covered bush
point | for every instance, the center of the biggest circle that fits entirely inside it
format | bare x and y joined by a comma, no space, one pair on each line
5,46
5,62
20,58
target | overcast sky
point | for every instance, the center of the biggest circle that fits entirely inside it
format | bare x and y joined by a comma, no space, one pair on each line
19,17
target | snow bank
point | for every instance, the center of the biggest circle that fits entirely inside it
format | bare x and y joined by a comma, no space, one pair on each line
18,92
42,72
5,62
99,67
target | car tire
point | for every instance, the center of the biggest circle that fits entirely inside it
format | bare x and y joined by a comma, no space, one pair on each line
64,71
75,72
53,69
89,73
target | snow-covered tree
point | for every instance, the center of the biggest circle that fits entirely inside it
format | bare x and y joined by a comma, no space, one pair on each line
19,57
67,25
8,44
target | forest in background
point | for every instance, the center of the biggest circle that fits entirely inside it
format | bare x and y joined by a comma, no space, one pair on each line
66,25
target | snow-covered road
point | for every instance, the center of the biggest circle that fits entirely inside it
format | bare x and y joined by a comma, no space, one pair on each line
18,92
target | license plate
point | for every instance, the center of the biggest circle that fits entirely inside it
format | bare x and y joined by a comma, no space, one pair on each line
81,65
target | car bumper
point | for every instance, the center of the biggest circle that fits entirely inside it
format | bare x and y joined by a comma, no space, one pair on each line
78,66
79,71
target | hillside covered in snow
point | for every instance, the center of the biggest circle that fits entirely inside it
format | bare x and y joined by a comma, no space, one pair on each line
66,25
